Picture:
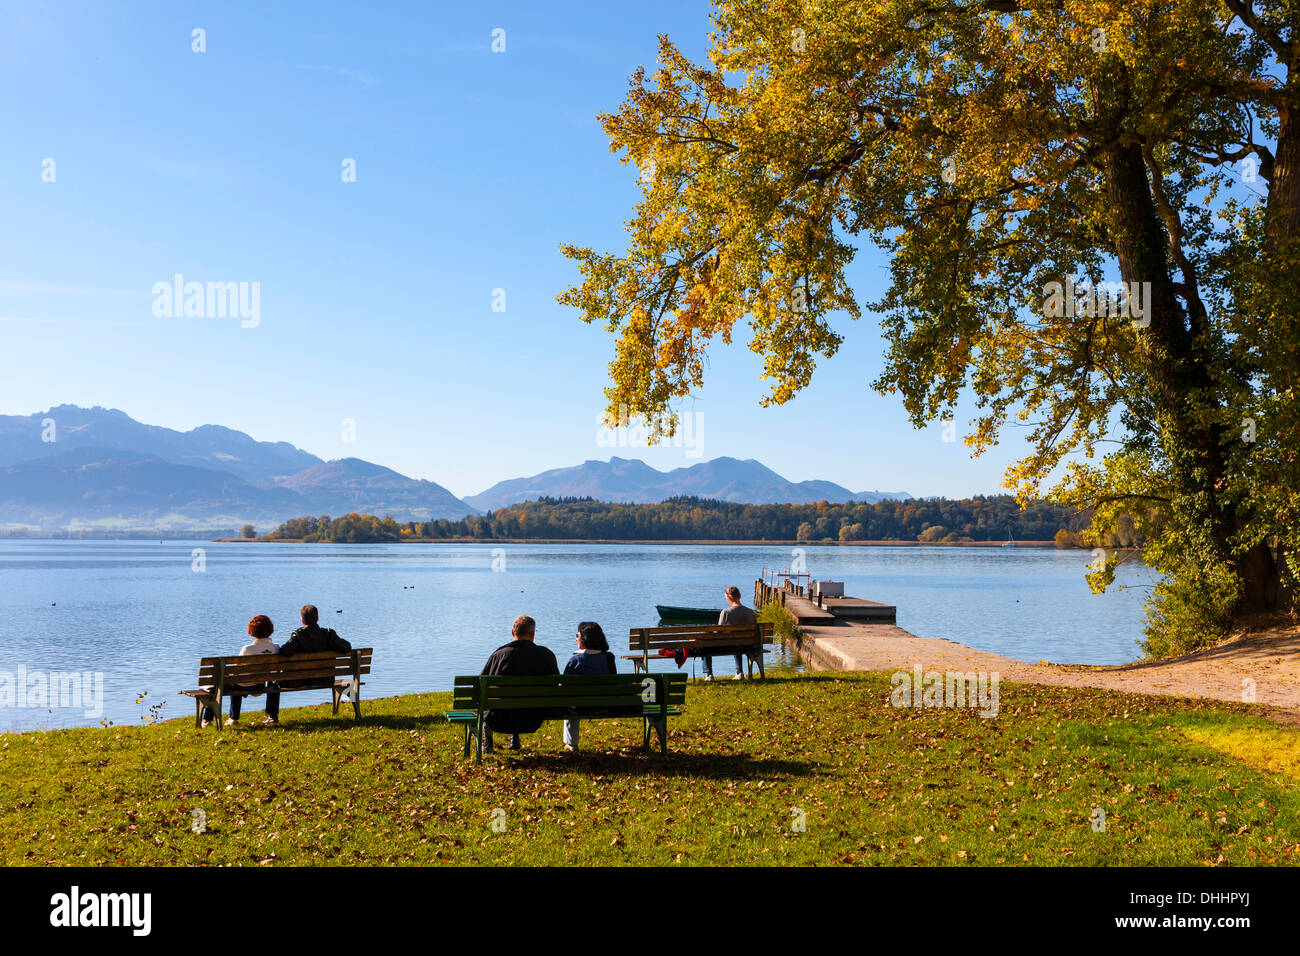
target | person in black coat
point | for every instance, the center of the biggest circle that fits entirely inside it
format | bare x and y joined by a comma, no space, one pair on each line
312,637
521,657
306,639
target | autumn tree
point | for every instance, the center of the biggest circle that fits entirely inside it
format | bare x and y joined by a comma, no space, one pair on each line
1091,212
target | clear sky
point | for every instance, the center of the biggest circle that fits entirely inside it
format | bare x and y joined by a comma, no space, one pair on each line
376,295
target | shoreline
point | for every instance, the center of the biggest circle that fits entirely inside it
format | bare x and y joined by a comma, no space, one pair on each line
1268,659
731,542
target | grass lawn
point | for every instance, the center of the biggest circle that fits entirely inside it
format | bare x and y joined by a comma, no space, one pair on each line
1180,782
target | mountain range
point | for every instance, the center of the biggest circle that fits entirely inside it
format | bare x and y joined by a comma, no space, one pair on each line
630,480
98,468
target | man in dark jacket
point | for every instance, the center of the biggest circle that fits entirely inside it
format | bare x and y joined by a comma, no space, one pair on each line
312,637
521,657
308,638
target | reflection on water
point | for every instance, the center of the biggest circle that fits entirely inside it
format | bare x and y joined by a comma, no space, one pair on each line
139,613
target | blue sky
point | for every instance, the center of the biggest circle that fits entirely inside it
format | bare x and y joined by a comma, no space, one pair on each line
375,295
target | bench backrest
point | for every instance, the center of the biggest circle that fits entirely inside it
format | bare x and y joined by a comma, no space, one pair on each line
558,692
259,668
651,639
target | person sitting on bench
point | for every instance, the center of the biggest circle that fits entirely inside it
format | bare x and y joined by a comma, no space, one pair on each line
312,637
521,657
734,614
260,630
593,657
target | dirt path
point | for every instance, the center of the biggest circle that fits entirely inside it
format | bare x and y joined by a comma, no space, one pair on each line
1270,659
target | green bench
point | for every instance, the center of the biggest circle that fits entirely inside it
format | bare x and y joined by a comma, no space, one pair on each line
751,641
651,698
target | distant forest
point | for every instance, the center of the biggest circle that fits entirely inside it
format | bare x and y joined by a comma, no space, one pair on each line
938,520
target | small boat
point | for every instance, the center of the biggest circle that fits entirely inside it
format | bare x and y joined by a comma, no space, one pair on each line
670,615
1008,543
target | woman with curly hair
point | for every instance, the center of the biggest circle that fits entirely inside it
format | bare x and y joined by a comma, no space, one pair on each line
260,630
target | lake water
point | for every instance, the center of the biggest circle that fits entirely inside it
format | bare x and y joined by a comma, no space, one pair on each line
142,615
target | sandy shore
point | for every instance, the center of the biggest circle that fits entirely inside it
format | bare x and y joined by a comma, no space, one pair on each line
1270,659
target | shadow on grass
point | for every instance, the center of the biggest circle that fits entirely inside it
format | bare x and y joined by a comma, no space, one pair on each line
633,762
328,723
782,677
325,722
628,760
404,721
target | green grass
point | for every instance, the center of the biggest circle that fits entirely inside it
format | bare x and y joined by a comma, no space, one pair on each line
877,785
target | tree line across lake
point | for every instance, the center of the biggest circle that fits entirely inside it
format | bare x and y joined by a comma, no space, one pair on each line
936,520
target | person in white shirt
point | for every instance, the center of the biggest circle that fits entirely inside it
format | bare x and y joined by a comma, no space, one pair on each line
260,630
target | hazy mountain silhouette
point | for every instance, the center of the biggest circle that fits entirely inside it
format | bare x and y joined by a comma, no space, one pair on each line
209,446
621,479
106,469
351,484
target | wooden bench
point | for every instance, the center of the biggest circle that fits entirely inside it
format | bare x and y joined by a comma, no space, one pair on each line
222,677
652,699
699,639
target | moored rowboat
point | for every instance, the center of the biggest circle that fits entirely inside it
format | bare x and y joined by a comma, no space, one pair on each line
670,614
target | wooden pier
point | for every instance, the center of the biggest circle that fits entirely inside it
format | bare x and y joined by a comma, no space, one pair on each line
860,609
804,610
794,597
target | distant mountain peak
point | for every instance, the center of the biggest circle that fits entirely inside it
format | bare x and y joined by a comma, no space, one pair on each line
634,481
104,466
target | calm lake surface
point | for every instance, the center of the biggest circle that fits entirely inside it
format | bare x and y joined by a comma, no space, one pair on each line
139,613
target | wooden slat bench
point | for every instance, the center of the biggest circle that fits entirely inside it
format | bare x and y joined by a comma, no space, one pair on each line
716,639
222,677
652,699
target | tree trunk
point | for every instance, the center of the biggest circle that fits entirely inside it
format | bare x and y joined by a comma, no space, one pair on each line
1176,363
1282,214
1261,581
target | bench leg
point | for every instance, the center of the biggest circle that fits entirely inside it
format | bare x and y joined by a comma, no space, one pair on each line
337,693
465,727
479,735
198,712
660,725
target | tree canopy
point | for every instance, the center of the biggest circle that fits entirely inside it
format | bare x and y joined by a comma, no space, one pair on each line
689,518
1091,213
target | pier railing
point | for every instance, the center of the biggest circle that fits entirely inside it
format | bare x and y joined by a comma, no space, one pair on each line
765,592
